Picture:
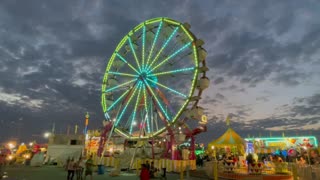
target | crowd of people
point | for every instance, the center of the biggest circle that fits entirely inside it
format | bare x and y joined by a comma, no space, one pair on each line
312,159
78,167
83,168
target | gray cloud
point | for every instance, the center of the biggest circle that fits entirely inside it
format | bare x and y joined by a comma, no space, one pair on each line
306,106
219,80
263,98
220,96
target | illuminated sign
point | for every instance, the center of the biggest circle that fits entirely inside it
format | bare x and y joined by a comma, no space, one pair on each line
294,141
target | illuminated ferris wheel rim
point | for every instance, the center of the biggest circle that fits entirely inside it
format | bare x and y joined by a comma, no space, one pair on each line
146,75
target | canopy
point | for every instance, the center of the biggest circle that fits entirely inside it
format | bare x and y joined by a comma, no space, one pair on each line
229,139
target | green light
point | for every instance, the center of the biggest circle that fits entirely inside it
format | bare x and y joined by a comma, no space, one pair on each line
122,133
146,67
163,46
135,108
158,102
116,102
154,42
120,85
134,54
137,28
172,55
122,58
143,44
124,39
145,106
195,56
122,74
125,108
154,20
188,34
174,71
171,21
172,90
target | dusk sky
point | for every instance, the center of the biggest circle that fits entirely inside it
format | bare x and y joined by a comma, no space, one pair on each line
263,55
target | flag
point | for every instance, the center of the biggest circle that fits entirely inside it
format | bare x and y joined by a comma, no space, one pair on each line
53,128
228,120
76,129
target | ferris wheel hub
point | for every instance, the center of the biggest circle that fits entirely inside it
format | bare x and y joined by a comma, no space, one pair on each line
143,76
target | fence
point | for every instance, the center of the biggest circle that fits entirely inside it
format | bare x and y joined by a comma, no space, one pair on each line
259,171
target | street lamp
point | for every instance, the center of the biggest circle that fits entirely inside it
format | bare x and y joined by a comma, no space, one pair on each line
46,135
213,152
11,145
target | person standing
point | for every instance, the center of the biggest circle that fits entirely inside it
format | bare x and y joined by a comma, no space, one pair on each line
144,174
2,164
80,168
147,165
71,169
89,168
152,170
67,163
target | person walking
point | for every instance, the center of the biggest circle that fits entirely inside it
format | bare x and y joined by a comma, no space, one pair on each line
71,169
80,168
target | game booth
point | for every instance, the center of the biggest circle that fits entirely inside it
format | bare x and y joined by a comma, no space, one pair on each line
241,150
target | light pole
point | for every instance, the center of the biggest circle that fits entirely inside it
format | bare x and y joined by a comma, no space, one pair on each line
214,153
215,164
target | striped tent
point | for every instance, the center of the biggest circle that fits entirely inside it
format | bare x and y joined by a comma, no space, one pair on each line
229,139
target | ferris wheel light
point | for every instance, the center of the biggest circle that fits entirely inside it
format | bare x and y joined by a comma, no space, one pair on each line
139,99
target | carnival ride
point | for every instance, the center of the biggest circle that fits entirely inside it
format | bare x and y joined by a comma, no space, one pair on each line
152,86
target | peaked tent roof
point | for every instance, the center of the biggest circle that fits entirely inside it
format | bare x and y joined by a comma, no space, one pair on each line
229,138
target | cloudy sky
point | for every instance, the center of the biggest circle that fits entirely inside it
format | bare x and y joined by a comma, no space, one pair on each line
264,60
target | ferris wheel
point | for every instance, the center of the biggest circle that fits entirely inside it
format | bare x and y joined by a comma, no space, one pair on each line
154,77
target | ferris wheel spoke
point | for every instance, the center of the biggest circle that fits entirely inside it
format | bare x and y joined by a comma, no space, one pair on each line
171,56
135,109
118,100
154,42
126,106
173,71
163,47
120,85
122,74
143,44
125,61
146,106
172,90
134,54
157,100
